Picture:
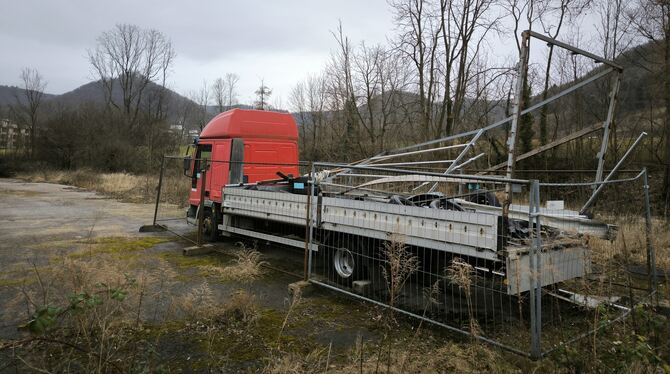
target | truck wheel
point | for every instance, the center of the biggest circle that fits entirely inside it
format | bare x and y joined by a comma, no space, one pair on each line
347,266
344,263
210,226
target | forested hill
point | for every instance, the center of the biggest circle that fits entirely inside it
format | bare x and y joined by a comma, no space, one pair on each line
10,94
92,92
640,87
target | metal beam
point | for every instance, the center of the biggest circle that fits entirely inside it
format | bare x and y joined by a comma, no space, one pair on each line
573,49
483,178
611,174
505,120
551,145
606,133
518,105
469,161
386,157
462,154
453,166
414,163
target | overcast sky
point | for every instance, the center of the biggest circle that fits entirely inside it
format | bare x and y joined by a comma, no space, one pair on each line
279,41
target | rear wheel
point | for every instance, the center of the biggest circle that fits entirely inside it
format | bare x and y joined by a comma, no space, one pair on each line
344,263
350,264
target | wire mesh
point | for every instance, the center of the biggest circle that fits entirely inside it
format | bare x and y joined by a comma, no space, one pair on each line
614,243
439,248
428,245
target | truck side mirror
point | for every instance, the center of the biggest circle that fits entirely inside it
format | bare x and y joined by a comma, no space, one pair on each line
188,162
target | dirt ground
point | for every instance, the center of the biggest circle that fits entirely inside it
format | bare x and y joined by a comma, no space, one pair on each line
154,309
43,224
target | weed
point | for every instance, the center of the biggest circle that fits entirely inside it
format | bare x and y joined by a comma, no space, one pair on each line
246,268
199,302
461,274
400,265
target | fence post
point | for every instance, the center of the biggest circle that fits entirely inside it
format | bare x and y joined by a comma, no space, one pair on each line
534,260
308,211
160,186
201,209
312,189
651,253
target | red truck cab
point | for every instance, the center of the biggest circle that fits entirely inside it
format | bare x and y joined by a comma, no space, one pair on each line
242,146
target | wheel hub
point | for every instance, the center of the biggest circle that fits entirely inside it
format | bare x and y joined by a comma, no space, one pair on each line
343,262
207,225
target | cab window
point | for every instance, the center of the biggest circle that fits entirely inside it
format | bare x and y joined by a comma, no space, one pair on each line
204,152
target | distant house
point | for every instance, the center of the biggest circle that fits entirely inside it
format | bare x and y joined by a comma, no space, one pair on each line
175,128
193,134
13,136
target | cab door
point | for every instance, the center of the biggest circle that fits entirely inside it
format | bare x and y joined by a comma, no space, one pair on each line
203,153
218,173
217,155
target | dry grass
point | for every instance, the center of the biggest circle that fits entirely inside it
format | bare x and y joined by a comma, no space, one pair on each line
104,298
426,356
461,274
400,265
123,186
423,358
248,267
198,302
242,306
632,232
292,363
97,301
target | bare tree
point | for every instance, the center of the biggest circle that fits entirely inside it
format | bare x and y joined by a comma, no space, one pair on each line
224,91
552,18
231,81
343,97
651,19
419,41
366,80
533,10
263,94
218,92
33,93
613,27
298,102
186,113
201,98
615,37
128,59
441,41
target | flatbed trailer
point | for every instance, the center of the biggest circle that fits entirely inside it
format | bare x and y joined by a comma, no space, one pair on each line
474,233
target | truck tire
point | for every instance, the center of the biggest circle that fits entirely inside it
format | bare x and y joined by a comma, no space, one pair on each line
343,266
347,265
210,226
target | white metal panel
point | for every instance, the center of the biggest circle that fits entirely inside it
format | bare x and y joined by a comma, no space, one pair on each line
274,206
479,230
556,266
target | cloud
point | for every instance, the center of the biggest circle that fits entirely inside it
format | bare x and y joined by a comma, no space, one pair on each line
280,41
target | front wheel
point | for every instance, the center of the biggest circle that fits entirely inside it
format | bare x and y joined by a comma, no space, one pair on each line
210,226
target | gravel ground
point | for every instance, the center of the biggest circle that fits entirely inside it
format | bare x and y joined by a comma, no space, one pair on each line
41,221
